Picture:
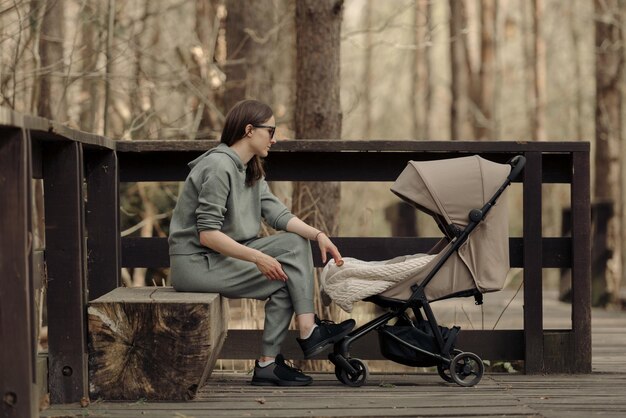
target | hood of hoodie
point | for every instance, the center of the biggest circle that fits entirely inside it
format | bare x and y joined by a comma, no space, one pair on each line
220,149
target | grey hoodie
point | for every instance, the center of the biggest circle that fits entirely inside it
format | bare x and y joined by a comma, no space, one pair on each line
215,197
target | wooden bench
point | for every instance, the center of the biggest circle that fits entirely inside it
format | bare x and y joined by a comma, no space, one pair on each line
153,343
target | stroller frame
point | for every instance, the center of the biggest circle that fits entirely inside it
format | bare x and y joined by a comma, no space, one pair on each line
454,366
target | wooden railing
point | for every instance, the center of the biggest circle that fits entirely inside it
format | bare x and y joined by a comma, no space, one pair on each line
84,251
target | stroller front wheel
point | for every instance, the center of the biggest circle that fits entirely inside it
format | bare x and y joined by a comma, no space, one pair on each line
356,380
466,369
444,371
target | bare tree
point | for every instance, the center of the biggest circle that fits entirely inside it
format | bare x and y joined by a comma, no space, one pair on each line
460,123
91,28
250,38
421,90
538,120
50,102
203,70
487,78
609,73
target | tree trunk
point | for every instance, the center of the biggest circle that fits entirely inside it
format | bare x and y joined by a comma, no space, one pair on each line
539,73
51,103
460,126
367,69
421,92
90,28
207,30
153,343
609,68
251,36
487,78
318,109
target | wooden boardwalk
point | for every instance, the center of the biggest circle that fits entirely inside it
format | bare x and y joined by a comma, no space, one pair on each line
602,392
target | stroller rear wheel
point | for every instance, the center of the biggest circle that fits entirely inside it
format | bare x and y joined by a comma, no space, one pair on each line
466,369
358,379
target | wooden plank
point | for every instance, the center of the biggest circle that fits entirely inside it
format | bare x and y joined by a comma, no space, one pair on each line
65,257
17,350
102,222
335,145
85,138
581,261
319,165
33,308
37,159
153,252
533,309
492,345
38,269
9,118
558,351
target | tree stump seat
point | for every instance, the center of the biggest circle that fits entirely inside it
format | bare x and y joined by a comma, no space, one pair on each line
153,343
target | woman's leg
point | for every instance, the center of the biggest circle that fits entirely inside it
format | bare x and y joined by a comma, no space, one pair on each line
235,278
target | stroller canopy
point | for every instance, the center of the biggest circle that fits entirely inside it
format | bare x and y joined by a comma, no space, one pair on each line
452,187
449,189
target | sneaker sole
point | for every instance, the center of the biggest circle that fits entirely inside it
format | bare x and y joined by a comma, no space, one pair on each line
315,350
268,382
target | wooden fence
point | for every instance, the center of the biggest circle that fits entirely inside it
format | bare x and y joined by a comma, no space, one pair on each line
83,252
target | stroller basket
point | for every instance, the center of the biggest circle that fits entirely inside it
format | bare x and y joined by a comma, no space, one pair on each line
402,343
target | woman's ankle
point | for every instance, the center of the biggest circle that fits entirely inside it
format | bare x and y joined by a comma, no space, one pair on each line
306,323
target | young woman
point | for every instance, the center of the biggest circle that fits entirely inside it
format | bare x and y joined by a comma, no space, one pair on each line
214,245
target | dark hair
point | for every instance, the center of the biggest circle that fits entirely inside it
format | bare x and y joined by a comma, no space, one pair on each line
243,113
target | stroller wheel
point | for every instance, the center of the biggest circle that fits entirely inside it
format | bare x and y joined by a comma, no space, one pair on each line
466,369
358,379
444,372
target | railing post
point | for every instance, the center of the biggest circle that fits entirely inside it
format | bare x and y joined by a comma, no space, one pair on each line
17,350
65,258
581,262
102,222
533,301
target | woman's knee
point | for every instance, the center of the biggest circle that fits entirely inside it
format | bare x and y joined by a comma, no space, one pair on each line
295,242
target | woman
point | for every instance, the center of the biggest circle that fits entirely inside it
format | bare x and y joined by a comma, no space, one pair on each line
214,245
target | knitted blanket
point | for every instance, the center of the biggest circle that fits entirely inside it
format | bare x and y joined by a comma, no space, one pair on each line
356,279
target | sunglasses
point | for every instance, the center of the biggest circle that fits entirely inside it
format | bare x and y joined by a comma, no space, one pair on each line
271,129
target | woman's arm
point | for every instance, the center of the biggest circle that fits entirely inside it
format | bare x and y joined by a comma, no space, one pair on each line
297,226
223,244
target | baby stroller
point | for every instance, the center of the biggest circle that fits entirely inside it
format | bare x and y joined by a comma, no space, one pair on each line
471,259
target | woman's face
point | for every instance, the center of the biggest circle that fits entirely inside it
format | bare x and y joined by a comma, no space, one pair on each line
262,137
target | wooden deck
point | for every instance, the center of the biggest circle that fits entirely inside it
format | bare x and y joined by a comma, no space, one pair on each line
602,392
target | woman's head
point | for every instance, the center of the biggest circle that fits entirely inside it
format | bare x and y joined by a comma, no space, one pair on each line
241,122
244,113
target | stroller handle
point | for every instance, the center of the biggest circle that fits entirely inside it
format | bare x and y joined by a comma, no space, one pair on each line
517,163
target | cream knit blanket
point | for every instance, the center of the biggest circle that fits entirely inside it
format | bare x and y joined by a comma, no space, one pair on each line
357,279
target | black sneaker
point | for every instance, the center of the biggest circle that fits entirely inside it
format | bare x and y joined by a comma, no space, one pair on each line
279,373
325,334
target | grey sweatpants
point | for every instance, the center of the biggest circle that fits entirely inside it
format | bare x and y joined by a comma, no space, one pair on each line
234,278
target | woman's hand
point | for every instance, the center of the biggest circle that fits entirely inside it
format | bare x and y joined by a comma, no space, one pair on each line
327,246
270,267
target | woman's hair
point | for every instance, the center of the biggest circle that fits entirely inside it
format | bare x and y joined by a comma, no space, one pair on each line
243,113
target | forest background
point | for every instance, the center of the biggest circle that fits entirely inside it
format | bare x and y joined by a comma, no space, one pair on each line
508,70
